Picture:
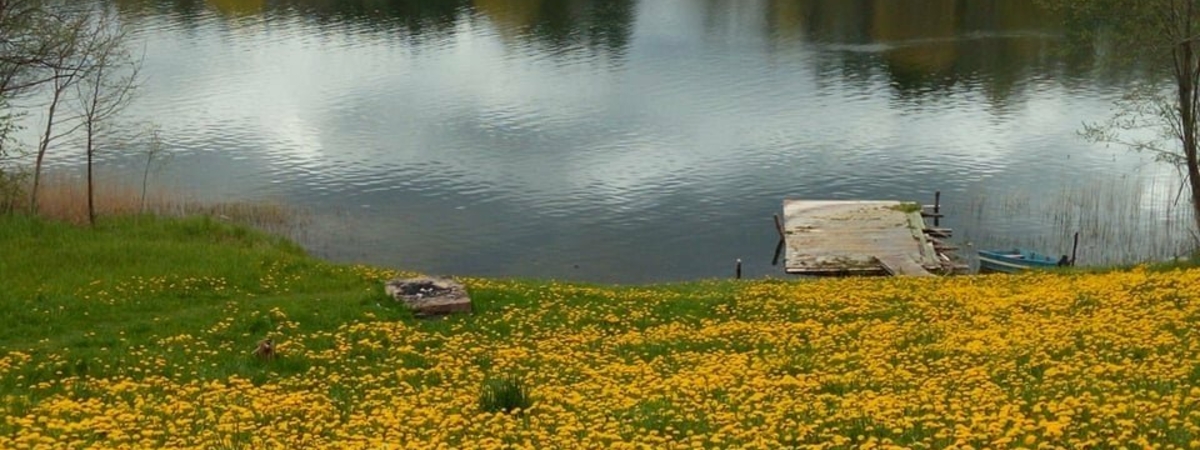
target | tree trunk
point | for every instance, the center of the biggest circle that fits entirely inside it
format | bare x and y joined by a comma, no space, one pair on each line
145,180
43,146
1187,75
41,155
1187,115
1194,179
90,186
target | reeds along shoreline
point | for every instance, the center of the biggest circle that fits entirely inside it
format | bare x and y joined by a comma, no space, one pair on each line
1120,222
64,197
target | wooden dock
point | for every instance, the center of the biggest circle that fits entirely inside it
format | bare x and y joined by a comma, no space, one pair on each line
832,237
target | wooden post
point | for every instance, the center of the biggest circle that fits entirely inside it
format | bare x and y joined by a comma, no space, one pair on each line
937,208
779,226
1074,247
738,269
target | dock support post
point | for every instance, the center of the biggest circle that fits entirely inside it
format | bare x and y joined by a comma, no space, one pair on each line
1074,247
737,270
937,208
779,227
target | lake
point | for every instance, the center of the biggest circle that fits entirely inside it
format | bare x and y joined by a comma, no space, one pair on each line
635,141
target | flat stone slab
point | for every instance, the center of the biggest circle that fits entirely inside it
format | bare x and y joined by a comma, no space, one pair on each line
429,296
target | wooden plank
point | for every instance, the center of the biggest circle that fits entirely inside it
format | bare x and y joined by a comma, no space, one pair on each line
939,232
900,265
824,237
928,255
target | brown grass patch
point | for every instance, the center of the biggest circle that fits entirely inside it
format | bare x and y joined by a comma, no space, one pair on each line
64,197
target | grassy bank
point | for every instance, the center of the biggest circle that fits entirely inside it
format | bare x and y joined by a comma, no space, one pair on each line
140,332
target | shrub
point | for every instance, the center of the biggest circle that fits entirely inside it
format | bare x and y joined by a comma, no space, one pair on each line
504,394
12,181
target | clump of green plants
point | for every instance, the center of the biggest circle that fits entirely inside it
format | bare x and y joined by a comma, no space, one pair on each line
906,207
504,395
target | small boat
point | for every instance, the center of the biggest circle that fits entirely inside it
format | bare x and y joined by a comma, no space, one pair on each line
1017,260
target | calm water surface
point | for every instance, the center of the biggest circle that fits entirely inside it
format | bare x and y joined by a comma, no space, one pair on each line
624,140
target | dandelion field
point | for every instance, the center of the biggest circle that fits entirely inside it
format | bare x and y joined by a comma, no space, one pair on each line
139,334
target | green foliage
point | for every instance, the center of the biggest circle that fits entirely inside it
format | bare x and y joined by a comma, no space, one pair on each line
506,394
8,125
1183,262
12,187
12,177
1125,30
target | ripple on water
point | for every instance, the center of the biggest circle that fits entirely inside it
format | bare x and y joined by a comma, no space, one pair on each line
479,147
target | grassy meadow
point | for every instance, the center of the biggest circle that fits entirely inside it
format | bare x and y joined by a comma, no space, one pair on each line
139,333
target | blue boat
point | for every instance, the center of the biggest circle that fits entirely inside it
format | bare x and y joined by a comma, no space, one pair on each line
1017,260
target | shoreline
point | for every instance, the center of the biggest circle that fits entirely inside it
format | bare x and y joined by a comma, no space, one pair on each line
155,321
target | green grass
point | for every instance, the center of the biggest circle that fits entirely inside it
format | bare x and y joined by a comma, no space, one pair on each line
662,416
119,292
1181,263
94,300
507,395
159,303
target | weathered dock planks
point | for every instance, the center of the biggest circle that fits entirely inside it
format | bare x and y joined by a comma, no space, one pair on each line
836,237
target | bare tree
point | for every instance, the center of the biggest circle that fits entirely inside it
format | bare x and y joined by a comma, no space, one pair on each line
104,90
68,61
17,69
21,47
1162,39
62,49
31,37
155,160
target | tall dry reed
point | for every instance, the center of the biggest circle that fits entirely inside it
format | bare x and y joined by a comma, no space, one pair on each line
1122,221
64,197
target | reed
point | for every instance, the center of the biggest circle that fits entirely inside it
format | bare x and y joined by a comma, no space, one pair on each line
1125,221
63,197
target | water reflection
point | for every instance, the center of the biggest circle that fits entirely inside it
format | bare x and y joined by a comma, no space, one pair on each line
237,8
555,24
925,47
635,140
559,24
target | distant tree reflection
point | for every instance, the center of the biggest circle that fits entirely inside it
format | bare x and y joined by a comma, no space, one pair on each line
926,47
922,47
598,25
603,25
